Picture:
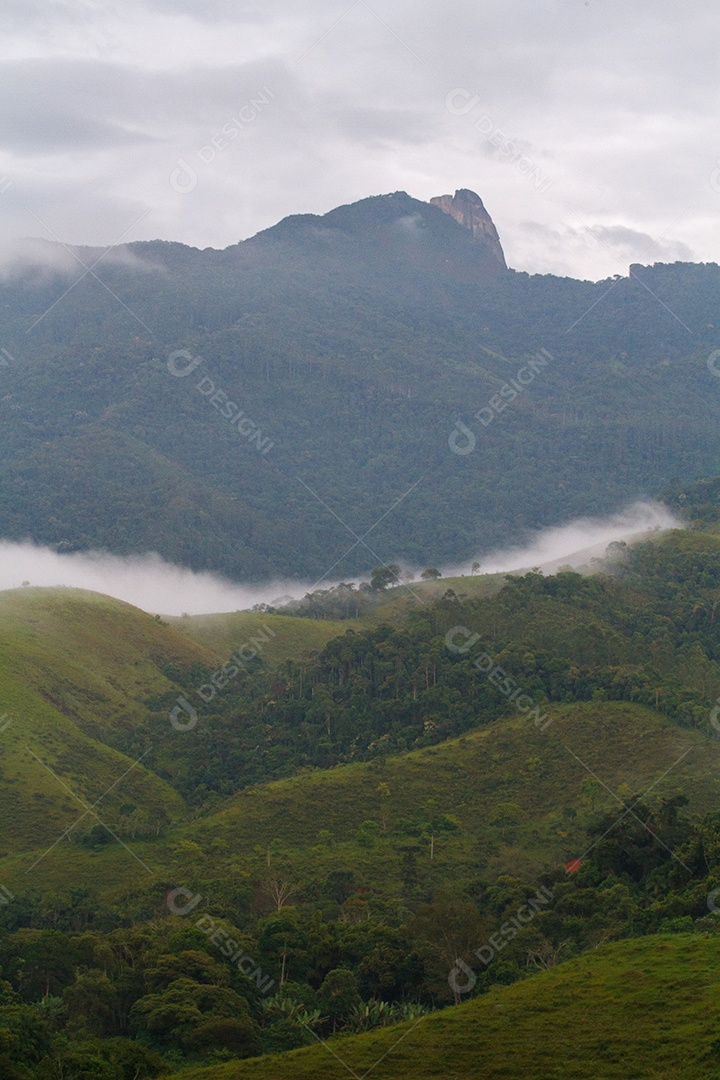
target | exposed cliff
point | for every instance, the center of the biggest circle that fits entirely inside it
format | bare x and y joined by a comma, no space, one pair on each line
468,210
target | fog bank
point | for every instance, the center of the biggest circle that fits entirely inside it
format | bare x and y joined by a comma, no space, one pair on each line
577,542
147,581
159,587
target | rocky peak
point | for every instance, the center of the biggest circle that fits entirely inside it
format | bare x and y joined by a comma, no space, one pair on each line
468,210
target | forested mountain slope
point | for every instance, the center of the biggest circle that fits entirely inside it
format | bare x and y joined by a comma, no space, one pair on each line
353,344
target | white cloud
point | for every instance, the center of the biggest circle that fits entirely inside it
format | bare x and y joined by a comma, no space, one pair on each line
578,541
615,104
156,586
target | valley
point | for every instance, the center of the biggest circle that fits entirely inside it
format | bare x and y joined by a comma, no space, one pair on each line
400,817
359,541
364,809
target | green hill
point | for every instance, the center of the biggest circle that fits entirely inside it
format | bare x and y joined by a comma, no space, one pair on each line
641,1009
365,817
76,670
291,638
95,658
314,822
358,815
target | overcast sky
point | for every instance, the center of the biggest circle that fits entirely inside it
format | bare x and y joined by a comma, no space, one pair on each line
588,127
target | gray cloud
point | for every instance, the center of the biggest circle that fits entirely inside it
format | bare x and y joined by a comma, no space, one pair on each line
610,106
41,260
641,245
618,244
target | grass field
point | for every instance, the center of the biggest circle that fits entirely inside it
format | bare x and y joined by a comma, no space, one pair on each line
74,668
311,822
645,1008
293,638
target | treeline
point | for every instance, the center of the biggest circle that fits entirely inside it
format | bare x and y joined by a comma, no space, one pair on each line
143,1000
647,630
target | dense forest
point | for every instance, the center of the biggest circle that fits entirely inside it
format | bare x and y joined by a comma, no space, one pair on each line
256,410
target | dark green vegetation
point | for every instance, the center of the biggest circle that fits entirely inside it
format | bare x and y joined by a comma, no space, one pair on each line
646,634
358,810
354,342
641,1009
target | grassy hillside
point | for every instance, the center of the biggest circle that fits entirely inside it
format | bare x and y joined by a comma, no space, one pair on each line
75,669
94,658
292,638
642,1009
314,820
297,638
312,824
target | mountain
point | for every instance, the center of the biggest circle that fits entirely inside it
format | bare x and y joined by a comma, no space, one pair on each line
341,391
468,210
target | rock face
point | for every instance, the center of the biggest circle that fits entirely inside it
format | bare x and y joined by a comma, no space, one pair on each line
468,210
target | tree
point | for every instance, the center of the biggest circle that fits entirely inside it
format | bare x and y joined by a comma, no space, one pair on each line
280,892
92,1001
506,815
240,1035
383,576
283,941
383,791
49,959
367,833
431,573
180,1015
590,789
546,954
445,932
339,996
193,964
321,709
340,885
409,871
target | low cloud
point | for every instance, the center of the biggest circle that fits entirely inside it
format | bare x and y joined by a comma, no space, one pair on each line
159,587
147,581
36,261
577,542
